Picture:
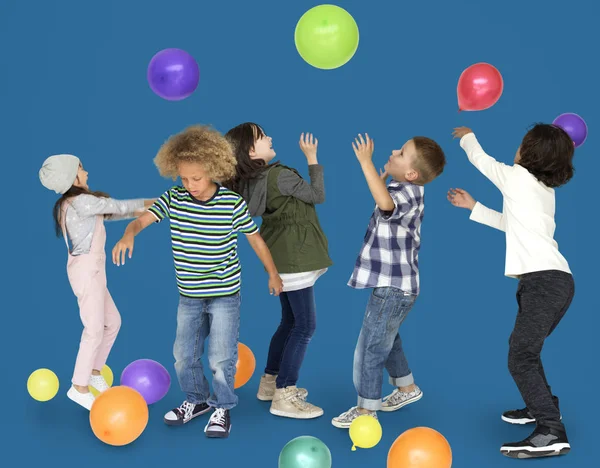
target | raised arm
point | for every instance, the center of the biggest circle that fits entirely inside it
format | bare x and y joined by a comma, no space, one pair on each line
291,184
135,214
479,212
91,205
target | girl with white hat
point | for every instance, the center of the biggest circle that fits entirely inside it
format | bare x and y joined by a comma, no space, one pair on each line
79,216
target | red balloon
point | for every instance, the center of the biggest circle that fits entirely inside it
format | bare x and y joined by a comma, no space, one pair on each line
479,87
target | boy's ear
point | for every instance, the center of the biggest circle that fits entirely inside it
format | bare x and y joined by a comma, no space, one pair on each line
411,175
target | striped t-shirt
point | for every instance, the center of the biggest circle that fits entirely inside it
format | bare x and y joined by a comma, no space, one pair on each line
204,239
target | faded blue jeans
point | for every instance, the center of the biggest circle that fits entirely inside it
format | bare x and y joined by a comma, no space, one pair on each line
380,346
217,319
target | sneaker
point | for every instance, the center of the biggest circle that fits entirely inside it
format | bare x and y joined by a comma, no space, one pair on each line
523,416
287,403
98,382
84,399
344,420
398,399
219,424
185,413
543,442
266,389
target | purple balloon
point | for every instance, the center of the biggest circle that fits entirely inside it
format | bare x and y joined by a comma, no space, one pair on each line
574,125
173,74
148,377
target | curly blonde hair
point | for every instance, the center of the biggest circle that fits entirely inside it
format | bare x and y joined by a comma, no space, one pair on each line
200,144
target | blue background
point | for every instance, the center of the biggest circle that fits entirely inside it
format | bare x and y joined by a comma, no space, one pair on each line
74,80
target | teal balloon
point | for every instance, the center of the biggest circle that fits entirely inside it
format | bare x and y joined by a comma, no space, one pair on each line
305,452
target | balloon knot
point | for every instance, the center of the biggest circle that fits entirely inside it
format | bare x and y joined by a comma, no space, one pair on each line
354,448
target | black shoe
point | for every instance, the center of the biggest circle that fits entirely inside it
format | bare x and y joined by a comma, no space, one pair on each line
523,416
185,413
543,442
219,424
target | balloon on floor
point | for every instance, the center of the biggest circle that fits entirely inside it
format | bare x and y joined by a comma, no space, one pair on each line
42,385
149,378
365,432
479,87
119,416
420,447
574,125
245,366
173,74
305,452
326,37
109,377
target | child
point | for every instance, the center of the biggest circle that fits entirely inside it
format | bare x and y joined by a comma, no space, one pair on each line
205,221
292,231
388,263
79,215
546,287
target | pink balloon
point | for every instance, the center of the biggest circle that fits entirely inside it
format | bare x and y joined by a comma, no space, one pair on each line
479,87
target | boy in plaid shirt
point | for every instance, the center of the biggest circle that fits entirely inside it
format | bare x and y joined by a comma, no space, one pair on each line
388,263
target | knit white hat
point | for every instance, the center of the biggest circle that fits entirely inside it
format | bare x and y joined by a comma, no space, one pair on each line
59,172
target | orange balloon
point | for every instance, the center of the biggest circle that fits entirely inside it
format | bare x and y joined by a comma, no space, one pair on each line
420,447
245,366
119,416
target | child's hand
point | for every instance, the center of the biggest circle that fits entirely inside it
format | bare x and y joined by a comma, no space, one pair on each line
308,145
461,132
120,249
383,174
275,285
363,149
458,197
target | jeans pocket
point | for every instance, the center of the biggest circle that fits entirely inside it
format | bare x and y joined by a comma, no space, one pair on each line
380,293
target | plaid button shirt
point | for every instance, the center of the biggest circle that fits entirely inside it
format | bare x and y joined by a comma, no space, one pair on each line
390,253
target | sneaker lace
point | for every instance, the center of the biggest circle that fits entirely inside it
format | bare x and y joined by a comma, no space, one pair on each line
186,409
218,417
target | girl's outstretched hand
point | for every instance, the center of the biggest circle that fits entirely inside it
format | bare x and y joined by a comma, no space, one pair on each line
275,285
308,145
462,199
461,132
120,249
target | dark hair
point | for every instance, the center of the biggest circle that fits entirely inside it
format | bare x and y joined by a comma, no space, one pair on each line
72,192
242,138
430,160
547,153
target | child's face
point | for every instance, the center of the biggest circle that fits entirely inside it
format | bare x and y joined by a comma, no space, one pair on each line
400,164
82,177
263,149
195,179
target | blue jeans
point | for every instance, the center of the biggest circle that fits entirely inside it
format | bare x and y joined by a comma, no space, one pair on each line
289,343
218,319
379,346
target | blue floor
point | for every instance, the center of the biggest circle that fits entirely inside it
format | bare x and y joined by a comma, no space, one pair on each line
73,80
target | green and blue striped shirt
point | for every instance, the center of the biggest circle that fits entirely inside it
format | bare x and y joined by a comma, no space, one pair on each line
204,239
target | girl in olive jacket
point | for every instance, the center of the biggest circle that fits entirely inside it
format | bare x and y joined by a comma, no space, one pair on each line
290,227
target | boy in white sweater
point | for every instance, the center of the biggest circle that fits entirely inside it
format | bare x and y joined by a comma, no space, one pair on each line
546,288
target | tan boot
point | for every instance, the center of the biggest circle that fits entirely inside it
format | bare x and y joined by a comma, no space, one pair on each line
288,404
266,389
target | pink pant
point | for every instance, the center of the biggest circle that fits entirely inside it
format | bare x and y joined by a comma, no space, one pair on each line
100,317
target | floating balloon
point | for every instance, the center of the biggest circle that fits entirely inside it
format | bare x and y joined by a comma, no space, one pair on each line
479,87
420,447
109,377
149,378
119,416
173,74
245,366
42,385
574,125
326,37
365,432
305,452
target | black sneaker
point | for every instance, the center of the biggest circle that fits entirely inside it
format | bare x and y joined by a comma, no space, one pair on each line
523,416
543,442
185,413
219,424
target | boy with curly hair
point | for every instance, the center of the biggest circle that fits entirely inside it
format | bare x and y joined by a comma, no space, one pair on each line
543,162
205,221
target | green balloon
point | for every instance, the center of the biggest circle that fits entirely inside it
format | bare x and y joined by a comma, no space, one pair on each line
326,37
305,452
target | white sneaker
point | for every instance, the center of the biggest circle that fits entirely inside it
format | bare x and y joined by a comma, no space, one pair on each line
398,399
98,382
84,399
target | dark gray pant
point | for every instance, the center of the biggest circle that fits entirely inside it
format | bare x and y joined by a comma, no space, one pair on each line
543,299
